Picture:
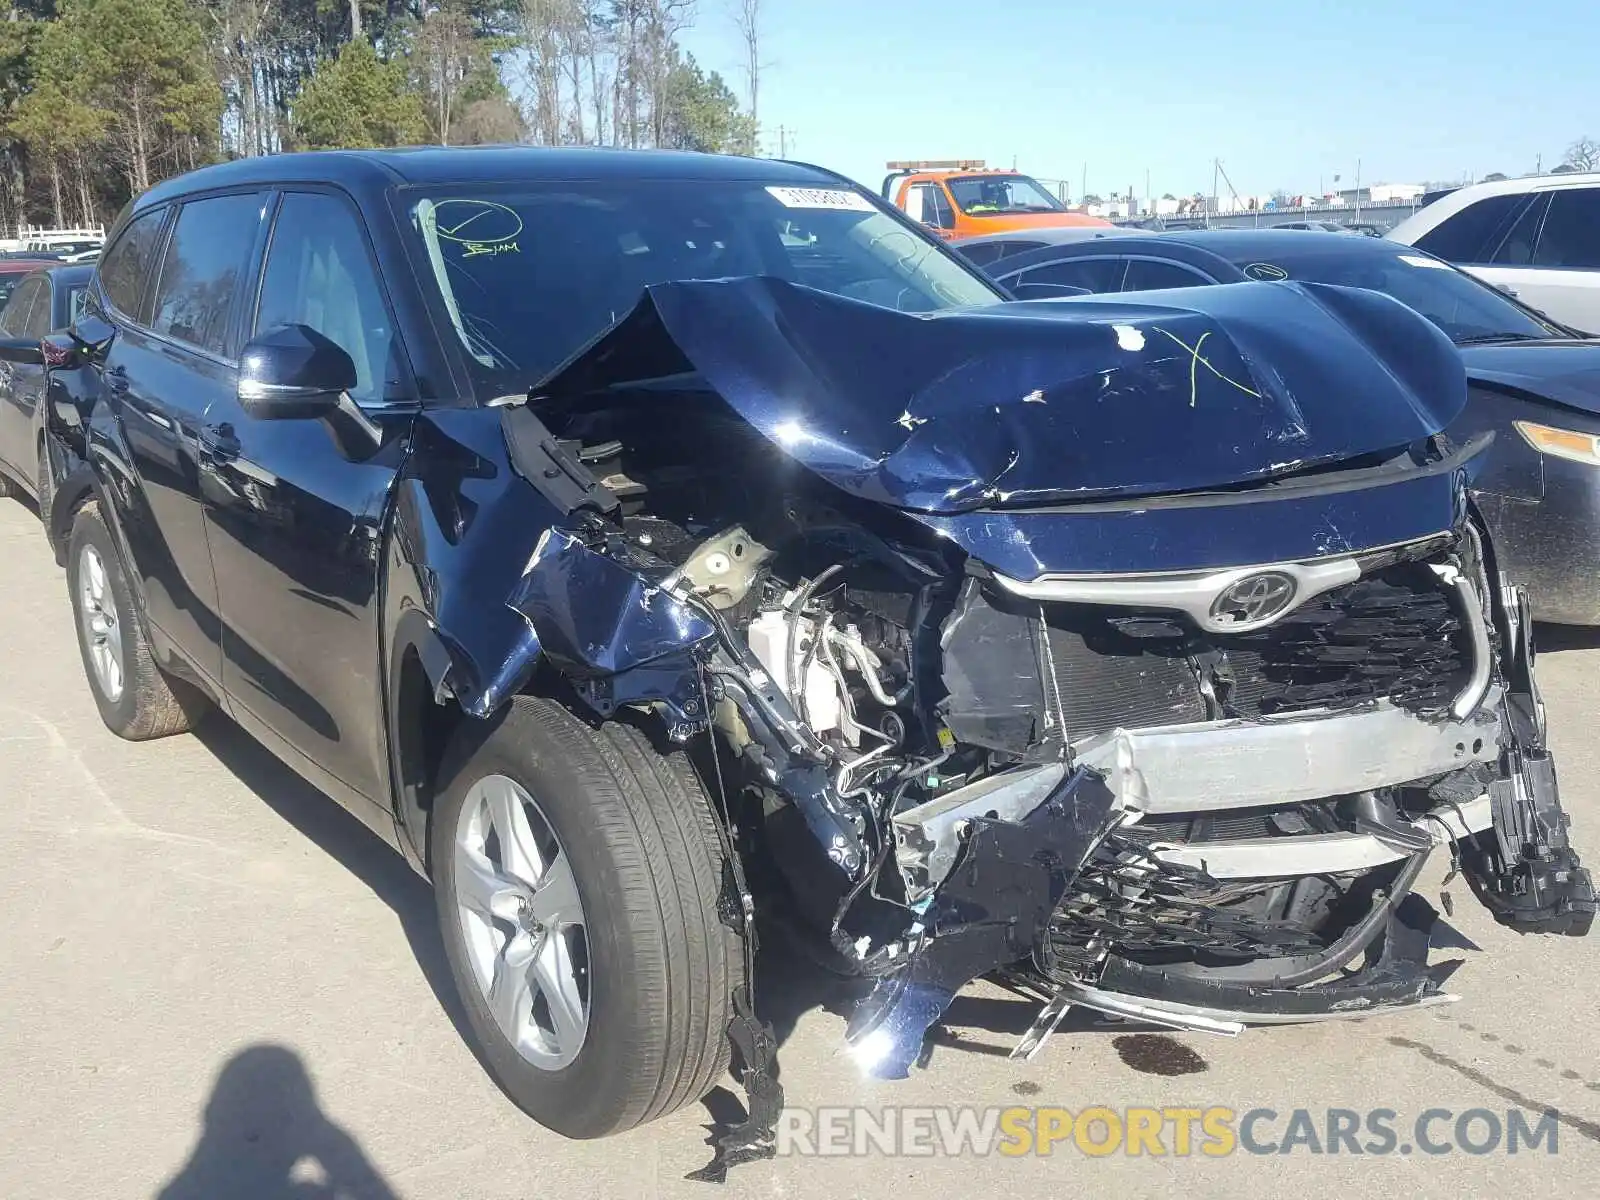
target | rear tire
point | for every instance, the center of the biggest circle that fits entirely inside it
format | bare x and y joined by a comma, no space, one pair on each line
639,838
136,700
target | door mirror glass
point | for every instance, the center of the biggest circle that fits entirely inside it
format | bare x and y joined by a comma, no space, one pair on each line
294,371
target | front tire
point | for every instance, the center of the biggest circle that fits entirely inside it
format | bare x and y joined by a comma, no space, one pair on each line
136,700
577,872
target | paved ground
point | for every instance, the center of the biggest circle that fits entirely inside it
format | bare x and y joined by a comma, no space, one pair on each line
212,980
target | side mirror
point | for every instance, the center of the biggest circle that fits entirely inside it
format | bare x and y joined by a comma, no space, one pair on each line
22,350
294,372
1047,291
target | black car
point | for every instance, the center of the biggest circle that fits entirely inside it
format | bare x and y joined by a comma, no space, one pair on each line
41,301
1534,382
641,543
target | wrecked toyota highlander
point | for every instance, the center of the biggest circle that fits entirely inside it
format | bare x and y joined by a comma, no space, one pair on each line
648,544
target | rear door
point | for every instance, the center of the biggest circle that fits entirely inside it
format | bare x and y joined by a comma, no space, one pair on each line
174,357
1562,275
26,315
296,523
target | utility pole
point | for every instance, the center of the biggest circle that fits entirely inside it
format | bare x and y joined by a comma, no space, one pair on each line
1358,189
783,142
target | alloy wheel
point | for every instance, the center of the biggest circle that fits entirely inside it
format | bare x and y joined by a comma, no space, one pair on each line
102,629
523,922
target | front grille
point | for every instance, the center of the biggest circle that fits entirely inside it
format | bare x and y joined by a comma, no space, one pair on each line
1128,900
1394,634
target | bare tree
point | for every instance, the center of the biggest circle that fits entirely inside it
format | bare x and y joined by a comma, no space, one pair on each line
1584,154
443,56
545,26
747,18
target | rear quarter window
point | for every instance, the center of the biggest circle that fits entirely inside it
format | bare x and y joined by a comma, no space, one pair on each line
1471,234
126,265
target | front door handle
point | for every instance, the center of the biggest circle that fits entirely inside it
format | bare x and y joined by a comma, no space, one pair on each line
116,380
220,441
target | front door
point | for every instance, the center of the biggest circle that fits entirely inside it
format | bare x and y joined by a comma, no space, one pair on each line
297,530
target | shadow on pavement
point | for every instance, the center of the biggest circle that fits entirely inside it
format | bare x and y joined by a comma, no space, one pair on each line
265,1138
1548,639
340,835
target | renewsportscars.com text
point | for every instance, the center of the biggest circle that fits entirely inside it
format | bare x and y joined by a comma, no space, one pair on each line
1167,1131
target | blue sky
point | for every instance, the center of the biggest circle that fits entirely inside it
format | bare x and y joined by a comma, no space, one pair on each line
1282,91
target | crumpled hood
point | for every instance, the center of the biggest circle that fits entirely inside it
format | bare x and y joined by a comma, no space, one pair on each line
1045,401
1567,372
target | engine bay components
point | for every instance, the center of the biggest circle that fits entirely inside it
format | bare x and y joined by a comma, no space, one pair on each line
1194,788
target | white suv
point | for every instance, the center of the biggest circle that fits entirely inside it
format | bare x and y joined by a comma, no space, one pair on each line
1538,238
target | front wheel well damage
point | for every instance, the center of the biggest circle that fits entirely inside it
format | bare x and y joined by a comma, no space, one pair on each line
423,727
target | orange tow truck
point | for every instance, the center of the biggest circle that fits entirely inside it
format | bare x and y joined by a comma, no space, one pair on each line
962,198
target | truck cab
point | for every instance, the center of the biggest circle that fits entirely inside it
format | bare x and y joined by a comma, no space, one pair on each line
962,198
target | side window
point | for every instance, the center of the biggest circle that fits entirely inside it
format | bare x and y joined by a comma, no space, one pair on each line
1469,236
319,274
39,319
1149,275
1571,233
1091,274
124,268
1516,248
919,202
201,268
944,216
984,253
14,317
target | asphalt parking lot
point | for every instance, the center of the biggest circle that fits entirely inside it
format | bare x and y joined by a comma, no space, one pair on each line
215,984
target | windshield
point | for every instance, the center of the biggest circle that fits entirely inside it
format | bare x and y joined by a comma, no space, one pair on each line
983,195
530,274
1464,308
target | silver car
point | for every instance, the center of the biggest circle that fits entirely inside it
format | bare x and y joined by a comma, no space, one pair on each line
1537,238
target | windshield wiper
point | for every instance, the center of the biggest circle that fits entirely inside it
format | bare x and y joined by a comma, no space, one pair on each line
1479,338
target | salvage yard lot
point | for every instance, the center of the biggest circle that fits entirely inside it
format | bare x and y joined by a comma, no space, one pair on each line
174,908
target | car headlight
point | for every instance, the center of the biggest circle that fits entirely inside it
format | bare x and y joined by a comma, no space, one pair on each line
1561,443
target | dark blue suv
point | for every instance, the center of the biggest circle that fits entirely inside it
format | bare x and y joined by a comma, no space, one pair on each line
644,543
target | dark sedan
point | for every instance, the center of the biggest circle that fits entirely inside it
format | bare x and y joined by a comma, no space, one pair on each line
1533,381
42,300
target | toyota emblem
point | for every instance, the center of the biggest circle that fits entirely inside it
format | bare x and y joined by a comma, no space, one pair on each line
1253,600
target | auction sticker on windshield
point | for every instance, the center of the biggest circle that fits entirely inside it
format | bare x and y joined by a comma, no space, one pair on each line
793,197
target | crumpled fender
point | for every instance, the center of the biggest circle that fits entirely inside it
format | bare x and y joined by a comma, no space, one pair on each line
593,616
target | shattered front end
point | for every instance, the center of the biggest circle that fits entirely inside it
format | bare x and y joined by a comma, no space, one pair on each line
1142,652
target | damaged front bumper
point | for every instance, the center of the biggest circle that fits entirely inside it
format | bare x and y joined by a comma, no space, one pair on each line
1067,881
